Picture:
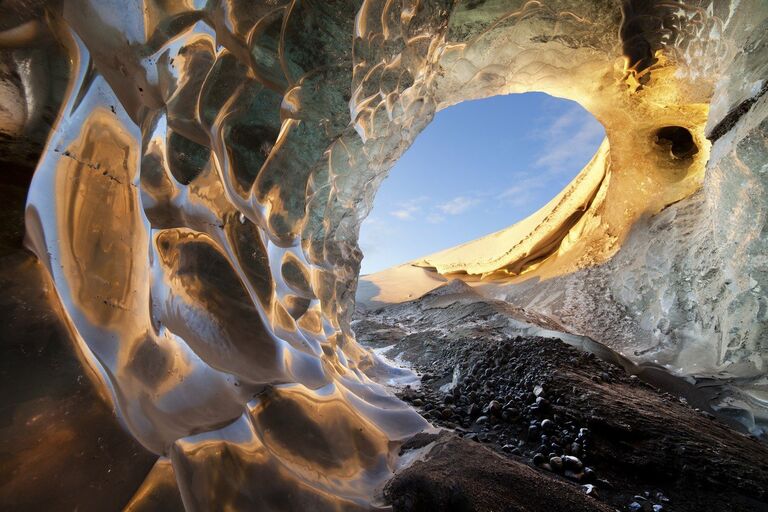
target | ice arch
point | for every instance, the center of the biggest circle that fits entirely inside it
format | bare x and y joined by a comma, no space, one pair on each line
198,203
478,167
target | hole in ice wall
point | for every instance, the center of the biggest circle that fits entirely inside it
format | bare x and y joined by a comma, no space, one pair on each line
480,166
677,140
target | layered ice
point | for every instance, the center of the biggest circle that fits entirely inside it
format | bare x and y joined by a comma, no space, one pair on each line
198,202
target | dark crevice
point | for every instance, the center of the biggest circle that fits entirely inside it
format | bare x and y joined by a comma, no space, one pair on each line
730,120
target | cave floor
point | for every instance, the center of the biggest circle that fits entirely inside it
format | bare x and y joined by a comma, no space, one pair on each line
524,412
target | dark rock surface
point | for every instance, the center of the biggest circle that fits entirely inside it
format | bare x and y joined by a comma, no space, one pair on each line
563,411
464,476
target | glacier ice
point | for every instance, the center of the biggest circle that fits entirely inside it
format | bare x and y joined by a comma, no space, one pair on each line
199,196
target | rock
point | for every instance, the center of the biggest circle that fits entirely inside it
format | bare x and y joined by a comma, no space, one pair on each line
590,426
494,408
590,490
575,449
418,441
573,475
448,480
572,463
538,459
482,420
658,508
605,483
634,507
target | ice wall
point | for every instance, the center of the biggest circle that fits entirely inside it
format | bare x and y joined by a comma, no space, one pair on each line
684,286
198,201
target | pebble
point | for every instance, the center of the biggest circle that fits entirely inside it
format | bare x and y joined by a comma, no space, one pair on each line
575,449
590,490
658,508
538,459
635,507
605,483
572,463
482,420
548,425
494,407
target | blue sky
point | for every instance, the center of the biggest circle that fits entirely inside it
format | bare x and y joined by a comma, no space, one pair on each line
480,166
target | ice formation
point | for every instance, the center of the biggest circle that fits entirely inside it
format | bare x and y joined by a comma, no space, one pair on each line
198,201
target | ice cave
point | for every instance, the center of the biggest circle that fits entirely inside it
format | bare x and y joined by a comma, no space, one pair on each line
183,322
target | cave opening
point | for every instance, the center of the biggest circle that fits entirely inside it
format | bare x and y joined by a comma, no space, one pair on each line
205,276
677,140
478,167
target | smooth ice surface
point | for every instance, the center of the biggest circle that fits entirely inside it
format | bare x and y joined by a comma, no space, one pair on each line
198,203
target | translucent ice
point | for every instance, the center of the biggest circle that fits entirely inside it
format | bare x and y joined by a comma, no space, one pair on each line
198,201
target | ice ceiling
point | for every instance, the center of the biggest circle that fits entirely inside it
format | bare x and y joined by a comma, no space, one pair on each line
198,201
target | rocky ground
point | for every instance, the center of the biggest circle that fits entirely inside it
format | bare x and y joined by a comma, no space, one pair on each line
568,416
